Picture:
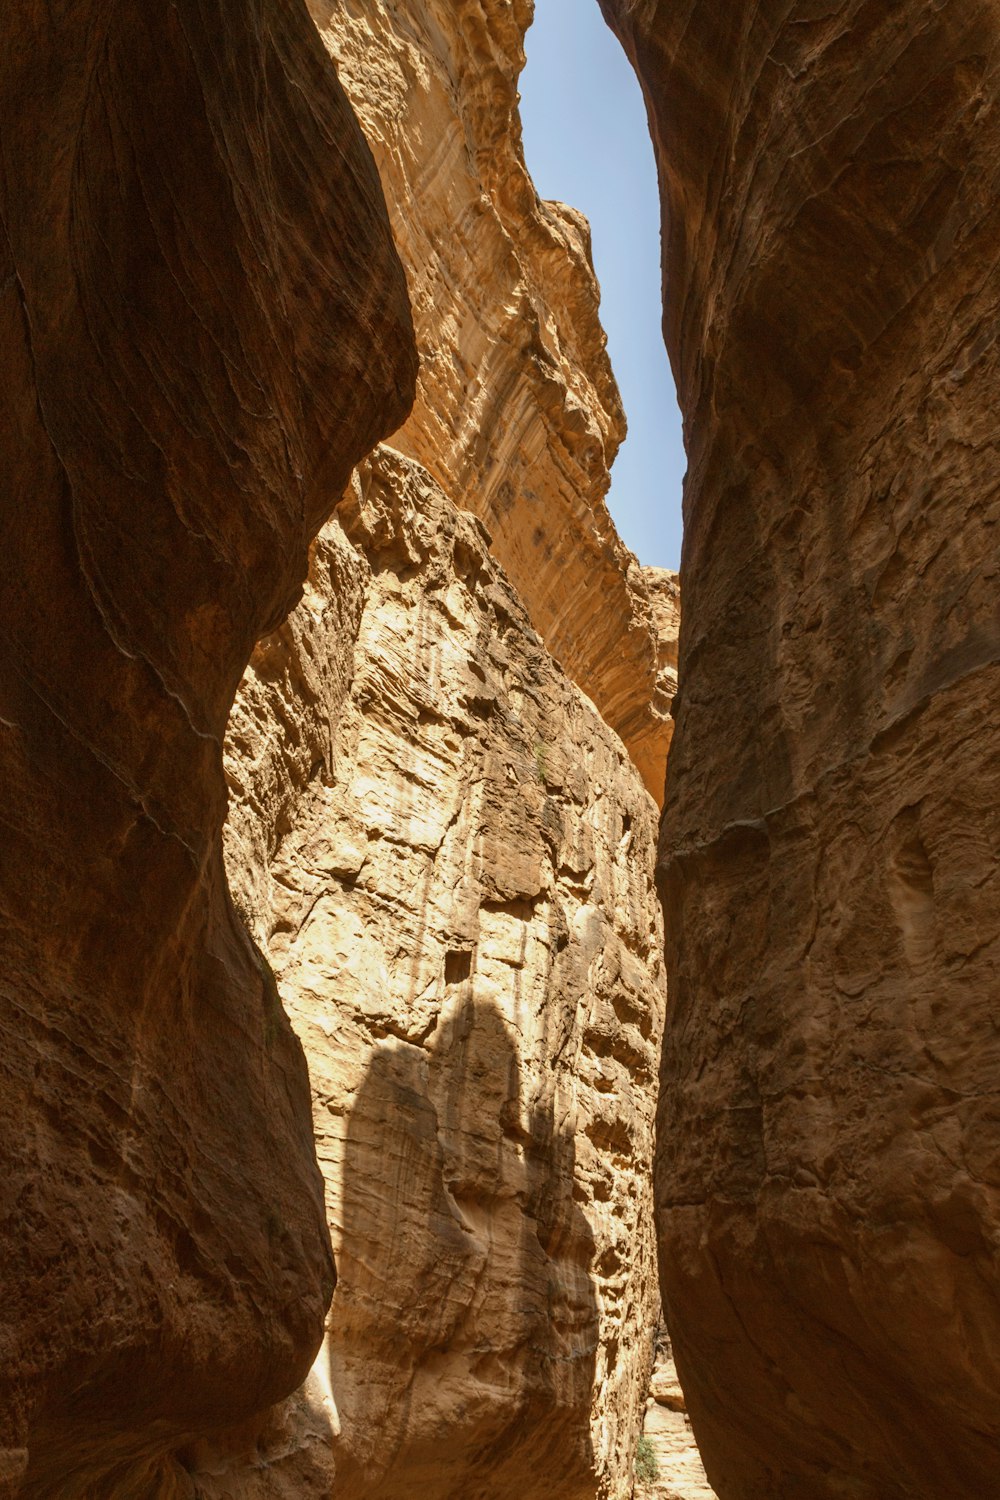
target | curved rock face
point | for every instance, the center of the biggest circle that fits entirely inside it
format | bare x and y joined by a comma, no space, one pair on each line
204,326
517,414
829,1187
449,859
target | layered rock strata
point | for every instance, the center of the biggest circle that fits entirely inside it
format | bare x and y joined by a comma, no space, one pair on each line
204,326
828,1185
448,859
517,413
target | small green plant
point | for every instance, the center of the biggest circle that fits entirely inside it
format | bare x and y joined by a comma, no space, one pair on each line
541,761
647,1470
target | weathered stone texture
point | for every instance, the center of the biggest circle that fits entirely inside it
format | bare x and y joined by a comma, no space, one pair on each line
829,1187
517,413
204,326
448,858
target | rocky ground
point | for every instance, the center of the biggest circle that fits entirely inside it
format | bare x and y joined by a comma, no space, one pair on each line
680,1473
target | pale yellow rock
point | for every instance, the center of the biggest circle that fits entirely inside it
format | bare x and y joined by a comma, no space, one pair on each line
665,1388
517,415
448,859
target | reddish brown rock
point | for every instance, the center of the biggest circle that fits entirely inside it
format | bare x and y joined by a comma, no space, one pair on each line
204,326
829,1187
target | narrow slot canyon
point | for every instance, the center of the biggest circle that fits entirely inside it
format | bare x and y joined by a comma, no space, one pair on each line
481,1020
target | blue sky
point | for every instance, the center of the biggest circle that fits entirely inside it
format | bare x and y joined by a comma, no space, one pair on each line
587,143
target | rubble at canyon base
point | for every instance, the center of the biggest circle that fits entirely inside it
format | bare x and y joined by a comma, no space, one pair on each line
669,1440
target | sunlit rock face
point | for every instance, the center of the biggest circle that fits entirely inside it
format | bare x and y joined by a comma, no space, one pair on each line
517,413
448,858
828,1177
204,326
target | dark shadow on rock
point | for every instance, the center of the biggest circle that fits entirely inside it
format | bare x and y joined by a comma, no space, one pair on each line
463,1333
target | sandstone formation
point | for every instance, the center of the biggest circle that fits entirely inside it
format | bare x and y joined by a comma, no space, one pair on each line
204,326
829,1187
517,414
448,859
680,1473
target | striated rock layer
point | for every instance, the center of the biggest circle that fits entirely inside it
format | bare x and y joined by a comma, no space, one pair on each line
448,858
204,326
829,1187
517,413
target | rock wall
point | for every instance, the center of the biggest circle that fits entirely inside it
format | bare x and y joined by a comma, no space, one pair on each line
204,325
829,1193
517,414
448,858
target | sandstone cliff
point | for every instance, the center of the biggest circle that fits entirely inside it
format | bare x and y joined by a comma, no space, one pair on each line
828,1183
193,239
448,859
517,413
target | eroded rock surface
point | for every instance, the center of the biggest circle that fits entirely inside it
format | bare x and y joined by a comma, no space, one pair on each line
448,858
517,413
829,1185
204,326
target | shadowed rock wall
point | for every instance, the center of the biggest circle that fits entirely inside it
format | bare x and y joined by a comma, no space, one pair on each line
448,858
204,326
829,1191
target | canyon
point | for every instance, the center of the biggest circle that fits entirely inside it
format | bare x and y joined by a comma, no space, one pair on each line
178,265
451,873
439,853
368,969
